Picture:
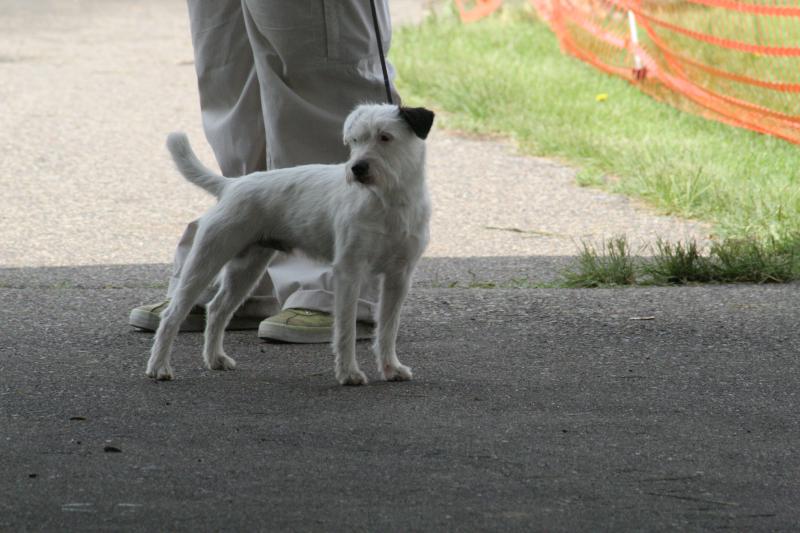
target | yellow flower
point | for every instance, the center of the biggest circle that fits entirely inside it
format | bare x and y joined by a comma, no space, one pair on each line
602,97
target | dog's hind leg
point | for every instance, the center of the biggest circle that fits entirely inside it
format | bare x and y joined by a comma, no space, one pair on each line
238,278
158,366
394,289
213,247
347,284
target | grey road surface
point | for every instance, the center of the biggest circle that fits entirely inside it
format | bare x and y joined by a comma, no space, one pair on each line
531,410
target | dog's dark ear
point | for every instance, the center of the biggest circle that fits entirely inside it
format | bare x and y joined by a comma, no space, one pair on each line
419,118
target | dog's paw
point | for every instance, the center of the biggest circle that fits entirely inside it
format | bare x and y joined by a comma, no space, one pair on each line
351,377
160,372
396,373
220,362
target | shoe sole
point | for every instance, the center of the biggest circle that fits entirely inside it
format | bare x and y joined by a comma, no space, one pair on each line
149,322
304,335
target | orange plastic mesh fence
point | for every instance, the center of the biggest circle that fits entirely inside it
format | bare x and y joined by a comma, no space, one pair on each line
477,10
736,61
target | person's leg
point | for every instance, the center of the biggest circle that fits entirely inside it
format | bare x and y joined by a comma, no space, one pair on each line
316,60
230,104
228,86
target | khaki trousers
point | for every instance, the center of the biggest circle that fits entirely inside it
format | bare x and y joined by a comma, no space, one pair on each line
276,80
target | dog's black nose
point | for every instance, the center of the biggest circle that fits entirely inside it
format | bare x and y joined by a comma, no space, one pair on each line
360,169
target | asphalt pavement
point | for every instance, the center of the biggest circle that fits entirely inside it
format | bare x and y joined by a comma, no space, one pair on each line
532,410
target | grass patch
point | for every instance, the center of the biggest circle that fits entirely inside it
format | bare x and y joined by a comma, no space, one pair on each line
612,265
729,261
750,260
678,263
507,75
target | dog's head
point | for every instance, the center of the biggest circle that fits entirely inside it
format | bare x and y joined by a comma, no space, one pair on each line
386,144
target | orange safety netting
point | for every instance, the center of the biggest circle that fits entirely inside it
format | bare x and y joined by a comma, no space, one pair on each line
478,10
736,61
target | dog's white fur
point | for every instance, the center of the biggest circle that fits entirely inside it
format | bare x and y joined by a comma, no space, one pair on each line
364,223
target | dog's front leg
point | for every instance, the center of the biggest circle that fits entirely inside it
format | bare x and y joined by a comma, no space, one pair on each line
347,285
394,289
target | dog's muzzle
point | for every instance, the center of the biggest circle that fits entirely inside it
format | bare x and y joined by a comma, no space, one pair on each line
361,172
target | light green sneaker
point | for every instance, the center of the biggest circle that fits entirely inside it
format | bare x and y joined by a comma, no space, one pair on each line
304,326
147,317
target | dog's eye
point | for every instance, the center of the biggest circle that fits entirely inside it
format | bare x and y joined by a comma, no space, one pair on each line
385,137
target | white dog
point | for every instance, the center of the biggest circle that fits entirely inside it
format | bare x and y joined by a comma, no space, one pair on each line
368,216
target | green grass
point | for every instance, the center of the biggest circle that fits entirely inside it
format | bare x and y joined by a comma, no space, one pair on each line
612,265
507,75
679,263
731,260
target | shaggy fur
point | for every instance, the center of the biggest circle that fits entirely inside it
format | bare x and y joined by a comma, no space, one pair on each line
368,216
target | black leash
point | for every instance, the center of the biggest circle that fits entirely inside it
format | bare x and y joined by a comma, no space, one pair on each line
380,51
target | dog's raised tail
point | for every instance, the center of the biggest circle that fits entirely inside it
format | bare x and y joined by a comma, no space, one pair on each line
190,166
